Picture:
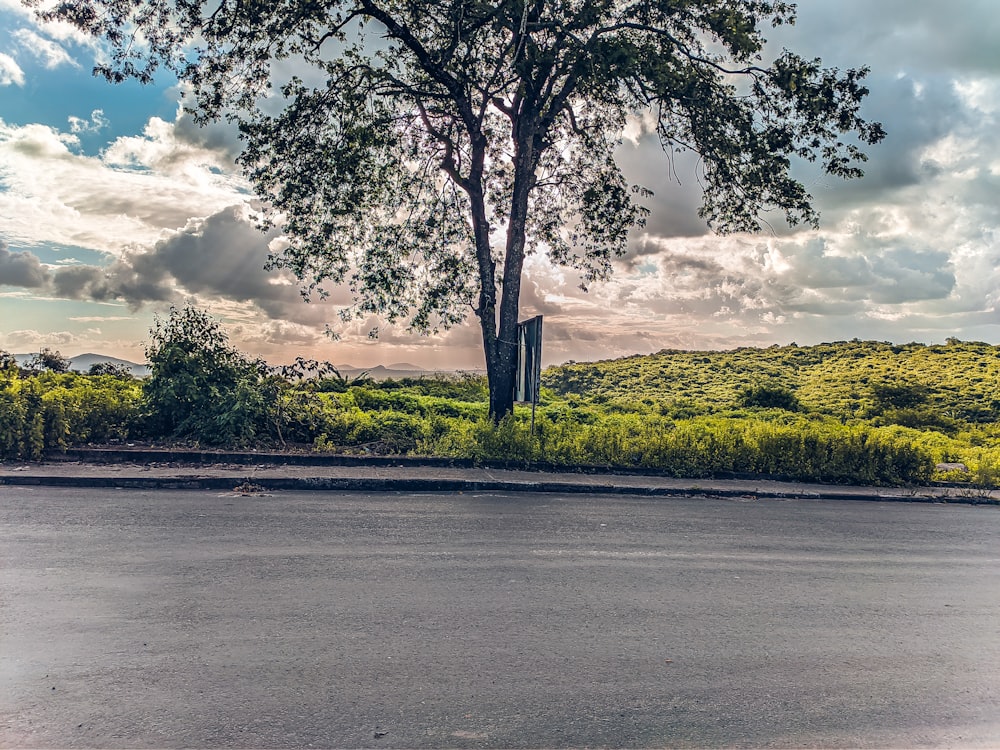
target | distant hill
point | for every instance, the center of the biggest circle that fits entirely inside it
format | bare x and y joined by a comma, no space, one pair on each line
404,366
83,363
395,371
389,372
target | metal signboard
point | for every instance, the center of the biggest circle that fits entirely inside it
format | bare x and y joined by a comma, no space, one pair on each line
529,361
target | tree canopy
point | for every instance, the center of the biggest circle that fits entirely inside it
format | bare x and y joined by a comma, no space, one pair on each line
48,359
417,150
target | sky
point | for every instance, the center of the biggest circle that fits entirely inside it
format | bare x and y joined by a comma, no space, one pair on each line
114,206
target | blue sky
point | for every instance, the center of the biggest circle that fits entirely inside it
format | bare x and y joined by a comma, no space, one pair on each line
114,205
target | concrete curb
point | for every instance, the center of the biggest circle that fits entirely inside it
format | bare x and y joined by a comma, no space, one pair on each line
331,460
257,485
262,472
214,458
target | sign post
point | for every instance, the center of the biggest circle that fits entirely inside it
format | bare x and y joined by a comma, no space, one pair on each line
529,364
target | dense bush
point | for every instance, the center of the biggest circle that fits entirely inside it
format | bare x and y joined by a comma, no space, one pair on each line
200,388
704,447
52,411
769,397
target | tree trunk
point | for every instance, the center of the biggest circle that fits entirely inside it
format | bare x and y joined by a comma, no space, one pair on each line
504,374
500,359
500,343
501,374
500,350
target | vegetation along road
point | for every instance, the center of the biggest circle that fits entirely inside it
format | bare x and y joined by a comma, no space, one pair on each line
850,412
169,619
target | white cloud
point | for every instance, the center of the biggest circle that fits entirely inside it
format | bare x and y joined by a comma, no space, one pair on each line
98,318
50,53
53,194
980,94
95,124
71,343
10,71
60,31
163,149
32,340
912,252
16,7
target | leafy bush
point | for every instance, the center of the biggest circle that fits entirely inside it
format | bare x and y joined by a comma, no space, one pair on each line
47,360
702,447
51,411
202,388
899,395
110,368
769,397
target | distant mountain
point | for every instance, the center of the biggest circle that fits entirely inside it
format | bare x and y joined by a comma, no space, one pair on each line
387,372
83,363
395,371
405,366
398,366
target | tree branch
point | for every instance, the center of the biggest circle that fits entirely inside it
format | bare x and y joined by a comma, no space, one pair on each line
448,160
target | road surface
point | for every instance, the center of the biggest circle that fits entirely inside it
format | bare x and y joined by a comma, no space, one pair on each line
205,619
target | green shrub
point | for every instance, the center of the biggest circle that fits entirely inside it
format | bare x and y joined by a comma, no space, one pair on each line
816,419
769,397
201,388
50,411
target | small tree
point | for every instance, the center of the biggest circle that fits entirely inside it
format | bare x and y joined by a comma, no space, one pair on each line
422,166
114,369
48,360
8,362
199,386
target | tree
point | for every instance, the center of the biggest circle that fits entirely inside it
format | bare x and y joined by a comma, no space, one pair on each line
115,369
47,360
438,142
8,362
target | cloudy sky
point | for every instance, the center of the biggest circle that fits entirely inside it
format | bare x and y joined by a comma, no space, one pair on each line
113,206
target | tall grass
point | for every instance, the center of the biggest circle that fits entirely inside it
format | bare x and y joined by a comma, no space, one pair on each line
701,447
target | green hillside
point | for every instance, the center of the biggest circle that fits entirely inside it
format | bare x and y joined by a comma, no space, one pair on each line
941,401
957,381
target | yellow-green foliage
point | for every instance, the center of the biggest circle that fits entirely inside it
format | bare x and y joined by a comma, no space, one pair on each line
944,399
705,446
962,379
52,411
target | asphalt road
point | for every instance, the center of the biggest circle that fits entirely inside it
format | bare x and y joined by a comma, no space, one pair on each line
199,619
